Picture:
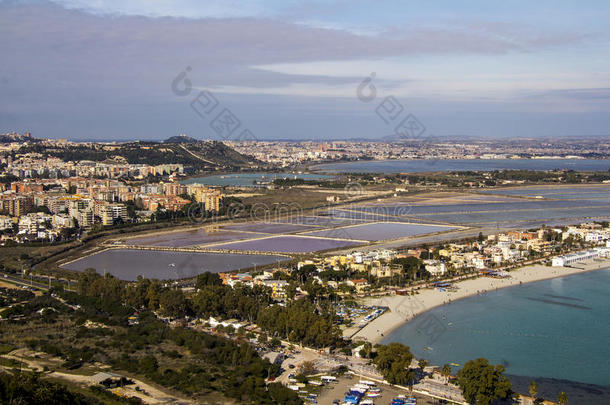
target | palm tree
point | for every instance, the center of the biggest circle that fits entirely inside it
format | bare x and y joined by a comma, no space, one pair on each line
562,398
533,388
446,371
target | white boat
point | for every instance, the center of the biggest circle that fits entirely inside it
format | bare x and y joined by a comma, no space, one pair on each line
315,382
367,382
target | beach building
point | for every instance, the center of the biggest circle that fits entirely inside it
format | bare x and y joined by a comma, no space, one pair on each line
435,267
603,251
359,284
572,258
596,237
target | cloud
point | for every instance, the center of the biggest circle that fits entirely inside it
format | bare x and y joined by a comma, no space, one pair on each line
69,45
99,62
165,8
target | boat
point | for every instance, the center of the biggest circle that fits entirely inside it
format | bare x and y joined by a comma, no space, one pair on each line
367,382
315,382
171,265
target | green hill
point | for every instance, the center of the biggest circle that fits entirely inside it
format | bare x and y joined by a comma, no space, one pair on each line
201,155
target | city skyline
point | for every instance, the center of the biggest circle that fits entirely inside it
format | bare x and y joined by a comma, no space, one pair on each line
290,70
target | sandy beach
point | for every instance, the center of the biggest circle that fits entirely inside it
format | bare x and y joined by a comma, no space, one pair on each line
405,308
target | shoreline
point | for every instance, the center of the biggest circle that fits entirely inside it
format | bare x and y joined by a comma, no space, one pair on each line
403,308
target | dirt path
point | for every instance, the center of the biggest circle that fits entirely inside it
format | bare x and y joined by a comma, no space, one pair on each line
147,393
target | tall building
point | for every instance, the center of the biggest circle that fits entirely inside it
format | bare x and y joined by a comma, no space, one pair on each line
174,189
212,201
82,211
111,212
211,198
17,205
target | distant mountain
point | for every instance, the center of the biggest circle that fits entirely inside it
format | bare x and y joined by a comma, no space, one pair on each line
200,155
180,139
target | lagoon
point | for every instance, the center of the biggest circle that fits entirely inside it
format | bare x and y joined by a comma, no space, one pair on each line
191,237
589,192
380,231
127,264
287,244
444,165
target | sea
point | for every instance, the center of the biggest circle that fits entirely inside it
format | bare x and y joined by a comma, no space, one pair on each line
443,165
556,332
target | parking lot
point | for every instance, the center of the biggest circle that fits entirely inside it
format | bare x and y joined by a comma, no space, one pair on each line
337,390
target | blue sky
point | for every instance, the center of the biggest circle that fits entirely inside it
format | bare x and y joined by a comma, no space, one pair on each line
290,69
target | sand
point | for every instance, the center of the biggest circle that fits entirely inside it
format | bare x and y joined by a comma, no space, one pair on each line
405,308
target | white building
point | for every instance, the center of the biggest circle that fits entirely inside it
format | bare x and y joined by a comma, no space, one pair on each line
596,237
435,267
6,222
572,258
33,222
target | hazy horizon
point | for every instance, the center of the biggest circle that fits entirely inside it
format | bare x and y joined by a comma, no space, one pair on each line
109,70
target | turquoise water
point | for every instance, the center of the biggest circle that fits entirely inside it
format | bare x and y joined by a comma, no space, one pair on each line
555,329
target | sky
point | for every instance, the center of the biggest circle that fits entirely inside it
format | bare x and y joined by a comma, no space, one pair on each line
291,69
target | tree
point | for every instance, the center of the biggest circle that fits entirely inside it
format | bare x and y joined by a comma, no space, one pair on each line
562,398
533,389
206,279
482,383
412,267
148,365
283,395
393,363
275,342
446,371
30,388
173,303
290,289
366,351
307,367
153,294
